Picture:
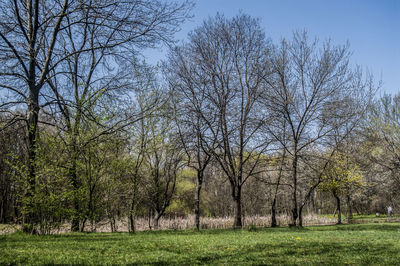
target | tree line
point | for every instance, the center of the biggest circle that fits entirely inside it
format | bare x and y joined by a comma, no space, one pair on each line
245,126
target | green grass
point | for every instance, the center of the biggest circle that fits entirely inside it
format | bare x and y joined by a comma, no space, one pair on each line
345,244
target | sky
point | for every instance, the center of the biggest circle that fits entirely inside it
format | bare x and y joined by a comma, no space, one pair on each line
372,27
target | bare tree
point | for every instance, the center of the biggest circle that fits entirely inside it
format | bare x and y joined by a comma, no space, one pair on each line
190,102
221,71
191,132
321,99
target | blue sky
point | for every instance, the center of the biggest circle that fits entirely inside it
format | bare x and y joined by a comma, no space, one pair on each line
371,26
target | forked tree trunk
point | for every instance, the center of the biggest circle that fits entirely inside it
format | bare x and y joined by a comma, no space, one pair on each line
156,221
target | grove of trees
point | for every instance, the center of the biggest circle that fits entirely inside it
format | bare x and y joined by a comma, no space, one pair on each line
230,124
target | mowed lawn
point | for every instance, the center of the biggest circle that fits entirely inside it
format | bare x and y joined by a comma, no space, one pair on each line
345,244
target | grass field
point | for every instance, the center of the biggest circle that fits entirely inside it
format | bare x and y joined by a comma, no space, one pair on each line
345,244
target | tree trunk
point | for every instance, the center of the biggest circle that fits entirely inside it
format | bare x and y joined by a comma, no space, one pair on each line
313,203
75,184
4,206
90,208
149,220
2,212
197,201
156,221
339,212
273,208
238,207
83,224
75,223
132,228
32,122
295,208
301,215
76,217
349,210
113,225
133,204
273,214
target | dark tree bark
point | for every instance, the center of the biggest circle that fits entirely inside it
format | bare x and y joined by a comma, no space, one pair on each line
197,201
237,198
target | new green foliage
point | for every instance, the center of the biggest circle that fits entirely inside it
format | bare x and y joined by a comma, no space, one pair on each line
342,177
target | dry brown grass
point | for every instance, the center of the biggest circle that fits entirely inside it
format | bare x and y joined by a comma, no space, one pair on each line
8,228
179,223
